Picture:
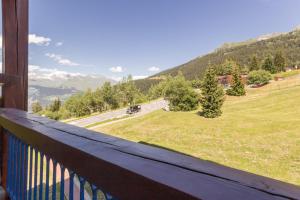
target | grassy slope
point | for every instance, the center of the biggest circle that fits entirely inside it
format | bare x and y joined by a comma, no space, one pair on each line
258,133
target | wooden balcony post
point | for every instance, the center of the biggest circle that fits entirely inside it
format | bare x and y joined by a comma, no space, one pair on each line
15,63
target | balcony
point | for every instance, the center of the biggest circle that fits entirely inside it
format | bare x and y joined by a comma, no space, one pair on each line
46,159
107,167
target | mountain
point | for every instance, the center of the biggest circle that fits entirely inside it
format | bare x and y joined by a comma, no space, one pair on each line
48,84
45,95
80,82
288,43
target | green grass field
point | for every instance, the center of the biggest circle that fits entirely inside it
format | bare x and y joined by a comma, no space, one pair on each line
259,133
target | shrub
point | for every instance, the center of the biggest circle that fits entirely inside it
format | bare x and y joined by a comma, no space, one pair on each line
259,77
180,94
57,115
77,105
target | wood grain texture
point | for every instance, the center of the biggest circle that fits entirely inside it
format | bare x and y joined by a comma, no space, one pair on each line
129,170
15,64
15,52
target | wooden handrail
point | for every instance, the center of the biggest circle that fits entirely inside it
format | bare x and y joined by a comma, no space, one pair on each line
129,170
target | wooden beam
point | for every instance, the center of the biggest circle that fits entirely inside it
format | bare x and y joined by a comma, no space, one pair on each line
15,52
15,64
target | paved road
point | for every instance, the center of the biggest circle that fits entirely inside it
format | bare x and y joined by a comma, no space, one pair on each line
145,109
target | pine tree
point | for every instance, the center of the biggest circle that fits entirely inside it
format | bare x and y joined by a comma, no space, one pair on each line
212,95
237,88
279,62
228,66
36,107
55,106
254,64
268,65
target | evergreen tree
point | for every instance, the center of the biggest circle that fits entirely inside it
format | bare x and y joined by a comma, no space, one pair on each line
212,95
55,106
268,65
36,107
237,88
228,66
254,64
279,62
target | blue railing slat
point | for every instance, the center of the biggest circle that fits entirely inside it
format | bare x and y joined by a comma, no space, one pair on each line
35,174
82,182
30,175
17,179
54,180
13,167
47,178
20,175
22,171
9,163
25,171
62,182
41,176
17,163
94,192
71,186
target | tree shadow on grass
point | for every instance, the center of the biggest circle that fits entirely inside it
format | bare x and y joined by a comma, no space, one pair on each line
184,154
200,113
165,148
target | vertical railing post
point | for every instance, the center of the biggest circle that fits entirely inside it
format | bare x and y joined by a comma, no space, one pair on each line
15,64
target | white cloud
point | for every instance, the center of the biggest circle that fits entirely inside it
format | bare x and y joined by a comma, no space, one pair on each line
38,40
116,78
38,73
117,69
33,67
153,69
138,77
120,78
58,44
60,60
34,39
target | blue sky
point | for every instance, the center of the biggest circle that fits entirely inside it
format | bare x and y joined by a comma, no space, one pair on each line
141,37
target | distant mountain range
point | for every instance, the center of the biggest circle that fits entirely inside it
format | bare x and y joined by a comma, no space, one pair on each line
46,85
288,43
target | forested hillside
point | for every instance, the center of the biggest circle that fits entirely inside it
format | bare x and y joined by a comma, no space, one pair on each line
287,43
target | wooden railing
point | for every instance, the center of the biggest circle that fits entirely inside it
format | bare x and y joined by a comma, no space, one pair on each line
106,167
116,168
